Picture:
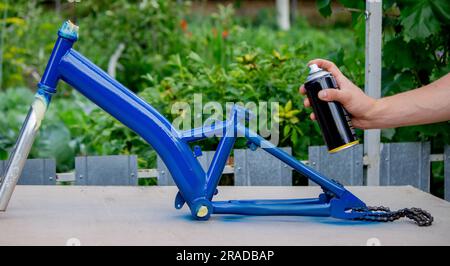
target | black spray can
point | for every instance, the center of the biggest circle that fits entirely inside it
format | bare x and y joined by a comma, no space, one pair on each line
333,119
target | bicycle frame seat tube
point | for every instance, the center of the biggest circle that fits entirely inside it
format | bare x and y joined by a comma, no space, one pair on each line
221,155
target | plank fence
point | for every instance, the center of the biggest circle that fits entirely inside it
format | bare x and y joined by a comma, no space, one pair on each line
400,164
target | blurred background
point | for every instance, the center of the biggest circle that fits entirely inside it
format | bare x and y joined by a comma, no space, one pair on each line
166,51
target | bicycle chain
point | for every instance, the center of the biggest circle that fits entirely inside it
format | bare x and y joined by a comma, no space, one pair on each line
384,214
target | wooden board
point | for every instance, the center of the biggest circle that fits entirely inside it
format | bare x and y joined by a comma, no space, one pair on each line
57,215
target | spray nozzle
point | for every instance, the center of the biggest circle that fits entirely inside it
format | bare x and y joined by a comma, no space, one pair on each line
314,68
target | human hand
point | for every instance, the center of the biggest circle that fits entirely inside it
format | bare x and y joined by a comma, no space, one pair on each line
352,98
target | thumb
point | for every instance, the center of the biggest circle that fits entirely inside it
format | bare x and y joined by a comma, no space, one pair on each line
334,95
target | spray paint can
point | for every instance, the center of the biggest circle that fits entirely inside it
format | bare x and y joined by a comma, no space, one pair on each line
334,121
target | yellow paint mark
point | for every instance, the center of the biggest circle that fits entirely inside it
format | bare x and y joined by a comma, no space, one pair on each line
202,211
345,146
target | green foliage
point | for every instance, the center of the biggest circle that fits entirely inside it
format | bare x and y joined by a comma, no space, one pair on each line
416,52
289,118
416,45
54,139
252,64
437,183
28,40
170,54
150,31
215,56
324,7
73,126
421,19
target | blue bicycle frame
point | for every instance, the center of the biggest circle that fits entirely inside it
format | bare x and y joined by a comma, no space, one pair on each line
196,187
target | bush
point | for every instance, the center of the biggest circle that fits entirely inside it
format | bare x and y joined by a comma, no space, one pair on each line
167,58
170,55
416,51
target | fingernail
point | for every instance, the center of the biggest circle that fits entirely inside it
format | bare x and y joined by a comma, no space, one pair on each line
322,94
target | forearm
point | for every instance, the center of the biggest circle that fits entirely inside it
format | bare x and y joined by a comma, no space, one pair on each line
428,104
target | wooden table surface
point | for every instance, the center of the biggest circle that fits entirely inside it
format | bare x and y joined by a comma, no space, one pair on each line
73,215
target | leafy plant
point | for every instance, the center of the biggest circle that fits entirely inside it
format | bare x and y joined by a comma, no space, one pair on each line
416,45
28,40
288,117
169,56
54,139
264,65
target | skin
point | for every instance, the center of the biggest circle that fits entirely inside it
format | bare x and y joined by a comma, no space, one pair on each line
424,105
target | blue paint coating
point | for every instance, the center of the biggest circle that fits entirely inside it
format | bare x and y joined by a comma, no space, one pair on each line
67,35
197,151
69,31
45,93
196,187
139,116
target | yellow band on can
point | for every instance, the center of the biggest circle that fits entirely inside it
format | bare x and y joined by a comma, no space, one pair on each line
343,147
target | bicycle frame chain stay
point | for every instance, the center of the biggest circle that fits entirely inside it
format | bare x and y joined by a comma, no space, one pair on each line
196,187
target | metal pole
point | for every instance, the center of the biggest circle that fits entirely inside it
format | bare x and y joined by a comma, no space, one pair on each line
283,14
373,85
294,10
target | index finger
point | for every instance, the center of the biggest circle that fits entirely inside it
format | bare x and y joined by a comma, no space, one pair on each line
302,89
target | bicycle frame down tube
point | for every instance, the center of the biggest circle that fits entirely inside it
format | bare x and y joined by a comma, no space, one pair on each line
141,117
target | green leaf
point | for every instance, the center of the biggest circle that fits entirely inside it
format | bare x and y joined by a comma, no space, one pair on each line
398,54
419,21
441,8
195,57
440,72
294,137
299,130
337,57
359,27
288,106
353,4
3,154
293,113
286,130
394,82
294,120
53,142
388,133
324,7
